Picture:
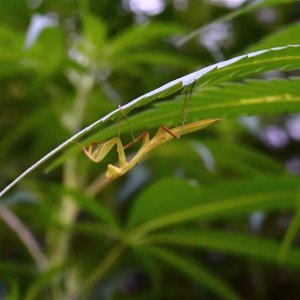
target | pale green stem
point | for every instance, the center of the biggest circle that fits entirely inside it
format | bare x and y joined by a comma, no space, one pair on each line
66,215
59,239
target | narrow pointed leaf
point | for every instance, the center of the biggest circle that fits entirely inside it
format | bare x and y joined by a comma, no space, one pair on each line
287,36
228,242
290,235
235,13
230,100
149,213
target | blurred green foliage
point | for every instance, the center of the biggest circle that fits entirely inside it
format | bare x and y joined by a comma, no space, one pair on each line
204,217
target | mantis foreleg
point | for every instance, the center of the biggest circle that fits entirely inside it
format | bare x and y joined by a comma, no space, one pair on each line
97,151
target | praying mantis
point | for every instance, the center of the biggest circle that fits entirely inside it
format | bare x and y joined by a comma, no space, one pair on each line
97,151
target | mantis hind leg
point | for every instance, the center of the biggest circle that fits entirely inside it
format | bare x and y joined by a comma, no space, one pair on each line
164,128
169,131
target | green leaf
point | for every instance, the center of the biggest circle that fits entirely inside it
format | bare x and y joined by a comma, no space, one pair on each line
290,235
11,51
195,271
43,280
169,201
283,58
50,38
14,291
287,36
94,230
24,127
228,242
150,212
94,31
243,159
93,207
151,269
85,202
235,13
140,35
229,100
155,58
11,270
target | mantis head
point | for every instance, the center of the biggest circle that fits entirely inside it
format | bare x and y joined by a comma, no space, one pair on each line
94,151
98,150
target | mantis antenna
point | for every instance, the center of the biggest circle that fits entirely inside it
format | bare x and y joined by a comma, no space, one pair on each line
186,106
127,120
